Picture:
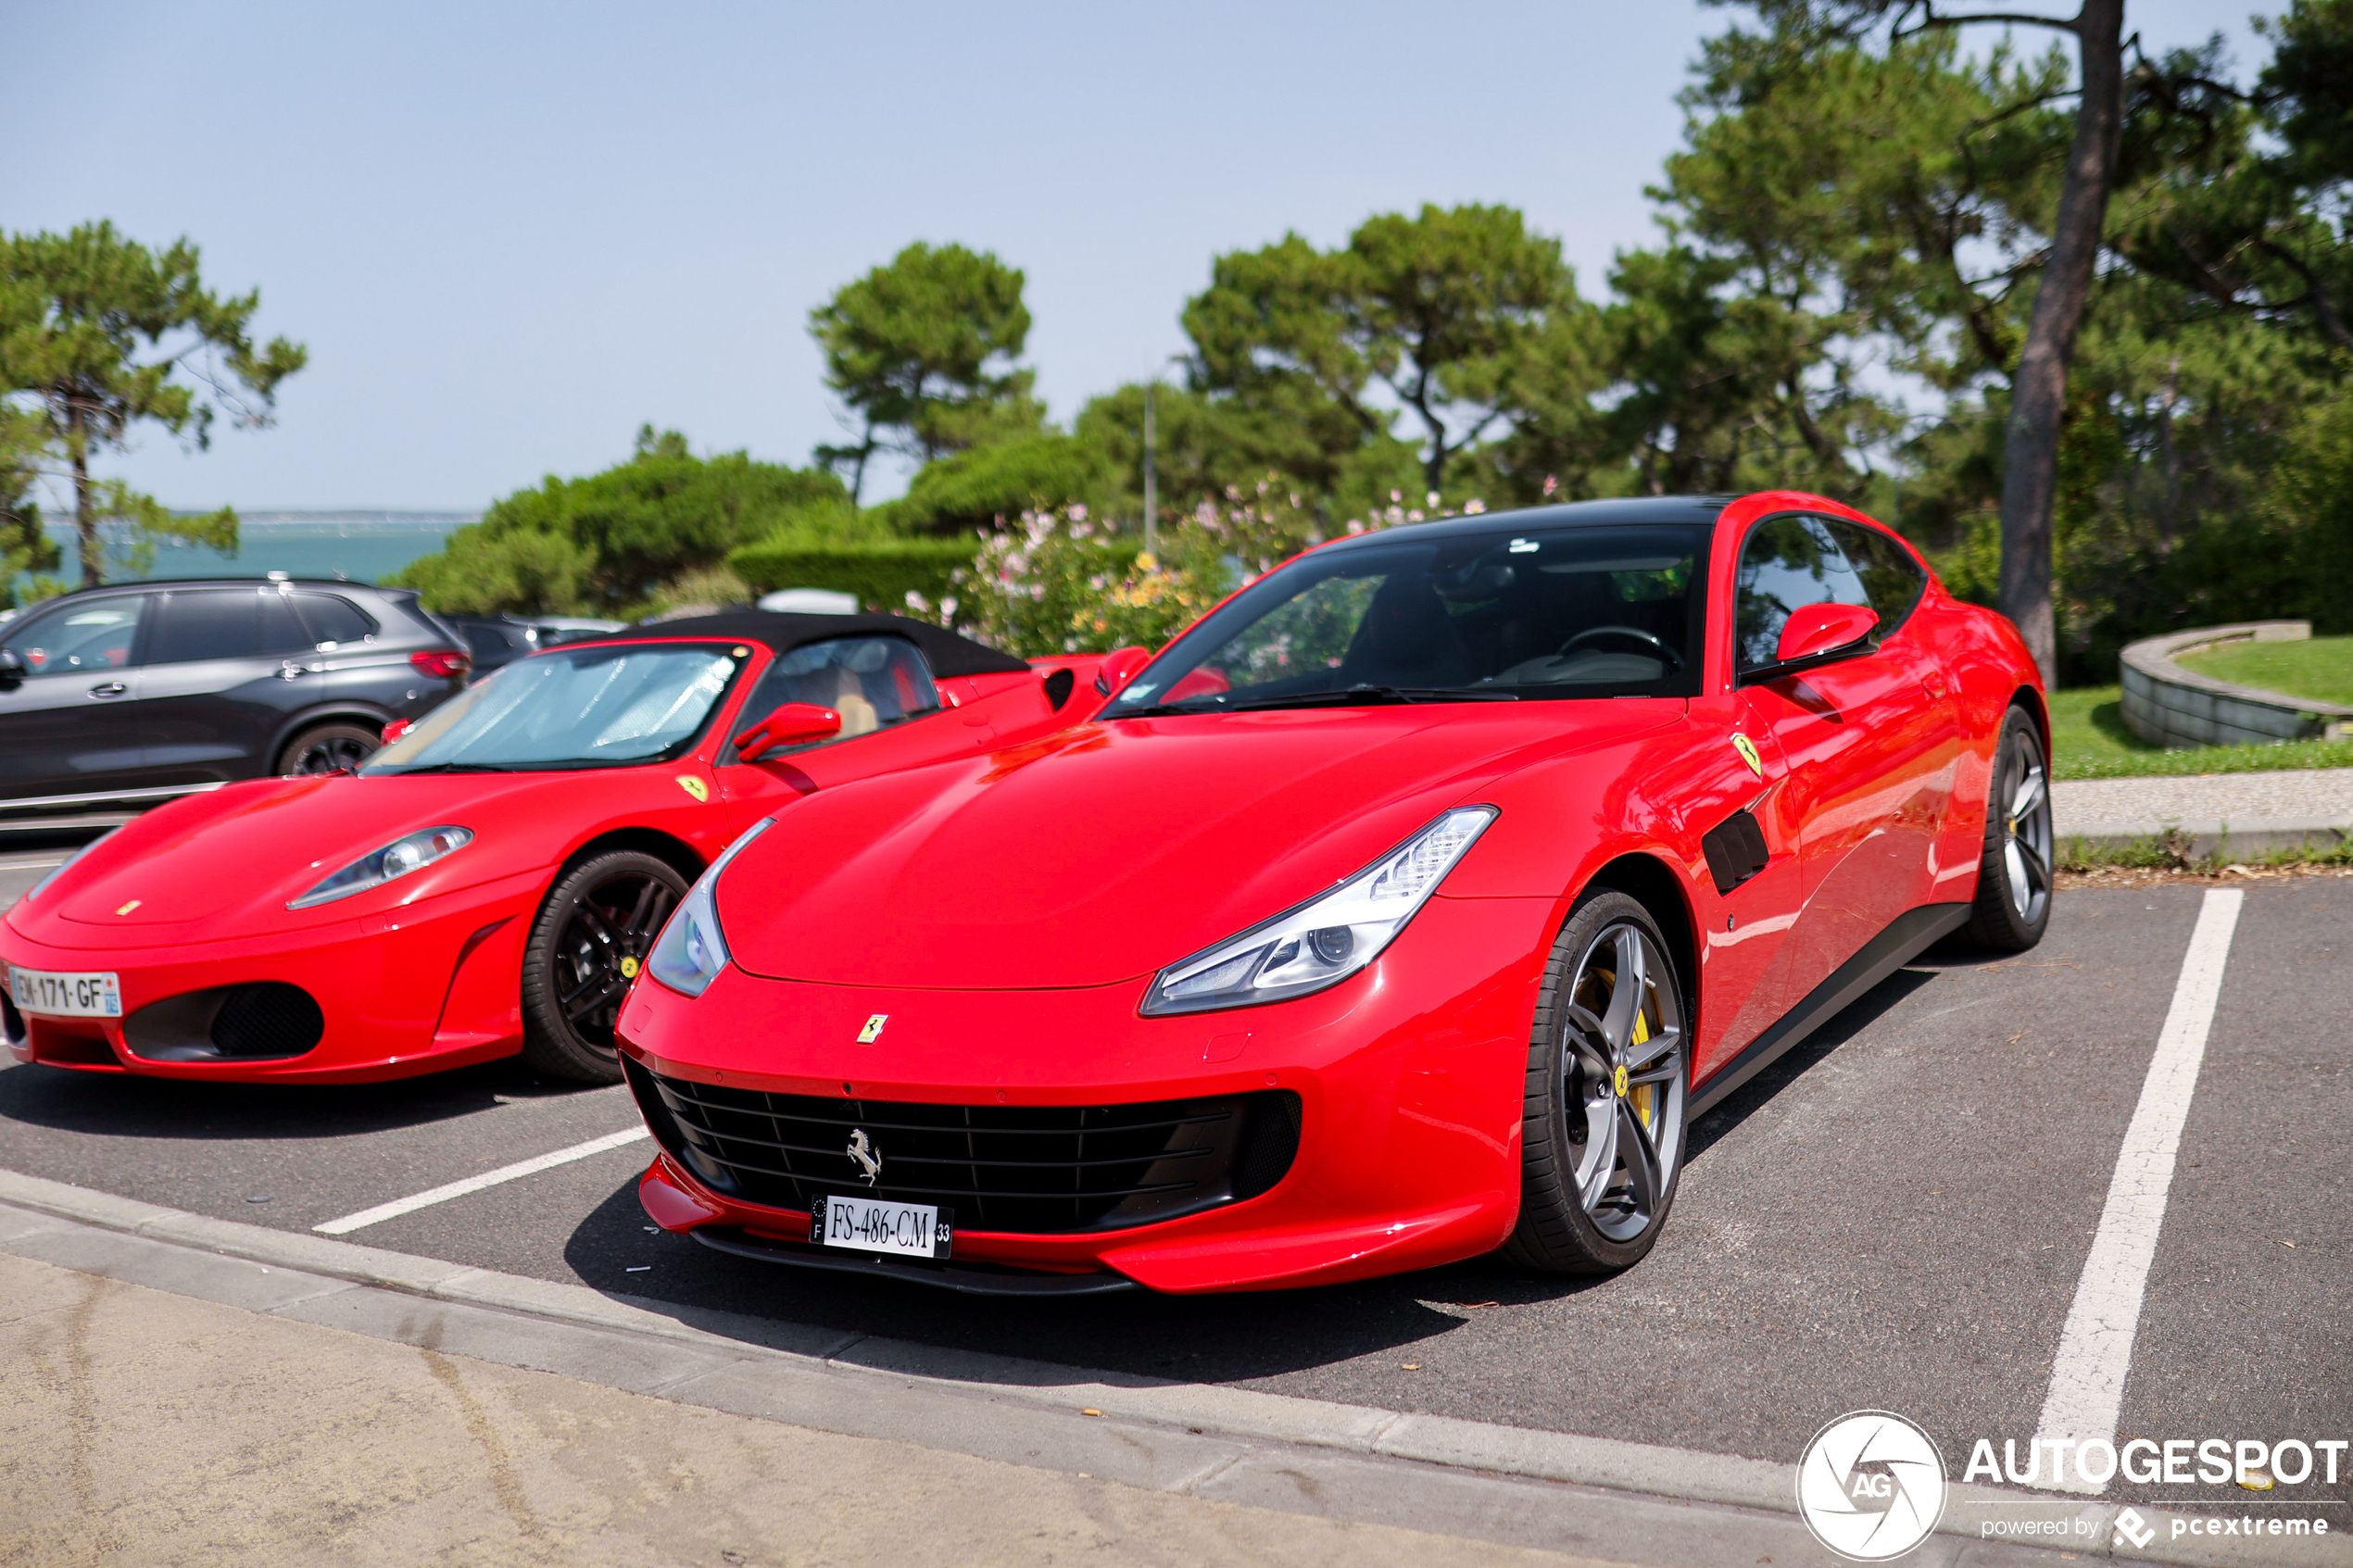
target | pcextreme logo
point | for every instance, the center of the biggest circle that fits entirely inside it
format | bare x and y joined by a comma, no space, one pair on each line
1870,1485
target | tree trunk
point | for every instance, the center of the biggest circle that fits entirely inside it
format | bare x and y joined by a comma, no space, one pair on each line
85,518
2038,391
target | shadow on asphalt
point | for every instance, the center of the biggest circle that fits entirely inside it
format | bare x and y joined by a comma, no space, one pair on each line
1187,1338
128,1105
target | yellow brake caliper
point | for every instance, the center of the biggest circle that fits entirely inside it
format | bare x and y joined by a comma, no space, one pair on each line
1641,1093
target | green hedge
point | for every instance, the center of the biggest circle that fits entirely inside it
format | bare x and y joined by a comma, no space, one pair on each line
880,573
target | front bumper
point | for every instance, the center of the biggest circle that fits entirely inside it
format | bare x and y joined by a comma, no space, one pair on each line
1410,1075
418,988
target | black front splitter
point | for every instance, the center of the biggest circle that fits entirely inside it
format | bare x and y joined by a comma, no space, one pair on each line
970,1281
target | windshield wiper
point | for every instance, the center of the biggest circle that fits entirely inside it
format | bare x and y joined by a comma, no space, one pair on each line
452,767
1350,696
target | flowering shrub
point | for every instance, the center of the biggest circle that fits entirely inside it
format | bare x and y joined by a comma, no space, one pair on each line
1062,582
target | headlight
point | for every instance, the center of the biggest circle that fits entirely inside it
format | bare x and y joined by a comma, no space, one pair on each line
1328,938
398,859
38,888
690,953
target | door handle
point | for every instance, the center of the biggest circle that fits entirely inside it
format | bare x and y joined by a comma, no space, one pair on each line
108,688
1933,680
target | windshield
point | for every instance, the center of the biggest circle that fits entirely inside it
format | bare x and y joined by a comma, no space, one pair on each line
1533,613
587,706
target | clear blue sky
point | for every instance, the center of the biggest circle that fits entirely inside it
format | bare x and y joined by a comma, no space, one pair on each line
509,234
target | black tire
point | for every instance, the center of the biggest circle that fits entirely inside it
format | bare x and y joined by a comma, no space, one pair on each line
330,749
2013,883
591,935
1598,1071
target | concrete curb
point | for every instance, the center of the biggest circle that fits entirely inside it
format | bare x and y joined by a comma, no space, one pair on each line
2215,836
1205,1439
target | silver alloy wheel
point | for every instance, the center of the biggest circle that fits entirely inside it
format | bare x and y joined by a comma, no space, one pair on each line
2027,841
1622,1066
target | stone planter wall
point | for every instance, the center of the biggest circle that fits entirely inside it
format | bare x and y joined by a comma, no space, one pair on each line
2177,708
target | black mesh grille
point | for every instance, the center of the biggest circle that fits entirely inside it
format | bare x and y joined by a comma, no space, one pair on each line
267,1019
1020,1168
12,1024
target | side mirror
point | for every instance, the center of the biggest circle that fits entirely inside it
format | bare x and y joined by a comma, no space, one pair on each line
1118,668
397,728
788,725
12,668
1819,628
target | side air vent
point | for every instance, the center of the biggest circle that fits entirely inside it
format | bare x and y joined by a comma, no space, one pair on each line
1735,851
1058,687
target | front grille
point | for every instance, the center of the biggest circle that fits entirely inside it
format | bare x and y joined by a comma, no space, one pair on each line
269,1018
1030,1168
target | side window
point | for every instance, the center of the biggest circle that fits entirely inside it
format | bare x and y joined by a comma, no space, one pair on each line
281,631
1891,578
872,682
1788,562
80,637
332,619
76,638
207,623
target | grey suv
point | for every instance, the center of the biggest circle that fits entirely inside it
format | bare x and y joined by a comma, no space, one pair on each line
114,698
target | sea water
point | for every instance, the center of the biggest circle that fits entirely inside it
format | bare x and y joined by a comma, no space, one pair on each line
363,546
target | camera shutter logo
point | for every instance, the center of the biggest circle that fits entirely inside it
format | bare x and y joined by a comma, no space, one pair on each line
1870,1485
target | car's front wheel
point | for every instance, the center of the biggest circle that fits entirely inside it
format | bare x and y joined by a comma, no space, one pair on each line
1609,1068
588,942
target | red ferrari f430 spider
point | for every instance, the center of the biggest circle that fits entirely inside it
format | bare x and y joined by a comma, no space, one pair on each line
491,881
1408,906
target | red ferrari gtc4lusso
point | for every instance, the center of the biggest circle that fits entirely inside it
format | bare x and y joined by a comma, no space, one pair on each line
1407,907
491,881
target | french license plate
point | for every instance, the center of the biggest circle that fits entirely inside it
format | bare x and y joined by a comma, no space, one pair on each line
874,1225
64,996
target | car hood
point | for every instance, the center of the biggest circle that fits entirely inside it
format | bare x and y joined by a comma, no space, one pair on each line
1112,849
229,859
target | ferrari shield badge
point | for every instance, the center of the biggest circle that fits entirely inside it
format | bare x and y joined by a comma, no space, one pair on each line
694,786
1747,748
873,1029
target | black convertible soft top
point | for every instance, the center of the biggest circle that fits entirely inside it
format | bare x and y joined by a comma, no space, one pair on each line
947,653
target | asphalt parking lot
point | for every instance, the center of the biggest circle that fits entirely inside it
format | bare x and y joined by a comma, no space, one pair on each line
1896,1216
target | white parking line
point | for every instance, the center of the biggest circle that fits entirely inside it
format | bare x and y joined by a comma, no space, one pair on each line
2096,1349
36,865
426,1199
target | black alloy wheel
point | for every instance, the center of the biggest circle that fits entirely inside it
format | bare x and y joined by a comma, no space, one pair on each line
2015,877
588,942
329,748
1609,1070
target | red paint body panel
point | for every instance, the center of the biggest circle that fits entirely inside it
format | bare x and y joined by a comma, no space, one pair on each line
1006,915
422,974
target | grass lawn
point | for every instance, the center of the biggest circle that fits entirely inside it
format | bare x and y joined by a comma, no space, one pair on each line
2320,668
2089,740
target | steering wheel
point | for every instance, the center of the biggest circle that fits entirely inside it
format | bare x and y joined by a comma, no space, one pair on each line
1672,659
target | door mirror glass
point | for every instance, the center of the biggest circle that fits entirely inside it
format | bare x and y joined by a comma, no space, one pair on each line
796,723
11,667
1816,629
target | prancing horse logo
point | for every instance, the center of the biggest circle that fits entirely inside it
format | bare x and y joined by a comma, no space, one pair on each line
861,1154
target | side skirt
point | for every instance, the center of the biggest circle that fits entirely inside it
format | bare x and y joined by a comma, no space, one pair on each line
1881,956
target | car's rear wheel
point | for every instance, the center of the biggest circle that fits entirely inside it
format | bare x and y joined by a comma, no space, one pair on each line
329,748
1609,1068
588,942
2014,880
